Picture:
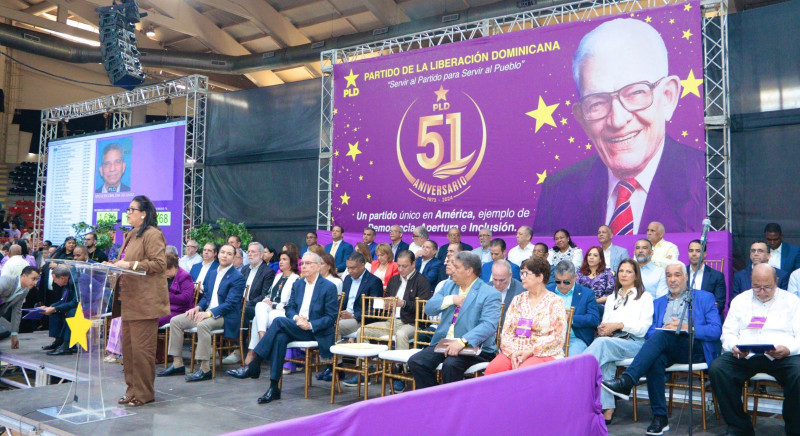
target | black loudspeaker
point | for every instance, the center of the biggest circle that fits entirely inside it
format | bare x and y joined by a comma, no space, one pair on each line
118,43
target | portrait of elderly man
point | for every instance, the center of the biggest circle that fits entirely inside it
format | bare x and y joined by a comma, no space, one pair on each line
627,97
111,170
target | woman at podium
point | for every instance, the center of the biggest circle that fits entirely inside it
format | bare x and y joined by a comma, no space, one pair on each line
143,299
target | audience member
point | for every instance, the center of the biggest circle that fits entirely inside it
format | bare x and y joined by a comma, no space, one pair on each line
524,250
317,249
420,235
503,281
782,255
427,264
533,331
236,242
664,348
60,311
444,273
454,236
291,248
311,239
564,249
13,291
358,282
190,256
396,236
705,278
626,318
90,241
339,249
540,249
200,270
65,250
328,271
595,275
181,290
764,314
759,253
14,262
653,277
384,267
664,252
270,257
586,316
369,240
238,260
485,237
364,250
497,250
474,326
220,308
614,254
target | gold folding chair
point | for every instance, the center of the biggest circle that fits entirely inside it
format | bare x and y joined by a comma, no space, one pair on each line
680,372
570,314
759,380
716,264
364,351
389,358
221,344
163,331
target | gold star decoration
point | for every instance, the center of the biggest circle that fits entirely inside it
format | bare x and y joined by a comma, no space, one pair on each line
684,133
354,151
648,19
687,7
335,111
563,121
345,199
370,162
79,327
337,185
671,21
336,153
691,85
687,34
369,196
351,79
441,94
543,114
589,146
360,178
557,158
571,139
366,140
567,102
541,176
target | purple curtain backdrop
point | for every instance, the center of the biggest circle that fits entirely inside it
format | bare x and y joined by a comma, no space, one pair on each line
556,398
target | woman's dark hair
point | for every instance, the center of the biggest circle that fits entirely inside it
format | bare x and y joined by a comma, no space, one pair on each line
292,260
538,266
292,248
637,282
24,246
61,251
328,259
586,269
150,218
569,238
172,260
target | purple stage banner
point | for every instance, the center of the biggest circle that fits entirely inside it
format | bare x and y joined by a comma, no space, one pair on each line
555,398
534,127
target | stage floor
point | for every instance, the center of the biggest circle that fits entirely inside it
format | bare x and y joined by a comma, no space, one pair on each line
225,404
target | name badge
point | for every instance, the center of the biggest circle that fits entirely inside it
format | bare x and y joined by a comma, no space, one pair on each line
524,328
757,322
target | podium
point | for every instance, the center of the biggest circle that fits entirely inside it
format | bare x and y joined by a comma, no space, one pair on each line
93,283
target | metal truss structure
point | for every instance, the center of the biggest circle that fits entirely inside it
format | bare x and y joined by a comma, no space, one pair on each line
715,50
193,88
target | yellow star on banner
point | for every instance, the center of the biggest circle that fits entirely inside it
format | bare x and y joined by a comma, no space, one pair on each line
588,146
360,178
335,111
543,114
441,94
369,196
648,19
687,7
563,121
571,140
684,133
541,177
351,79
567,102
354,151
691,85
557,157
687,34
345,199
79,327
370,162
336,153
367,140
671,21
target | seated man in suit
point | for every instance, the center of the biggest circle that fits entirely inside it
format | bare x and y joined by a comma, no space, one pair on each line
524,250
708,279
200,270
759,253
339,249
310,316
427,264
60,311
497,249
586,317
540,249
614,254
311,239
782,255
469,311
369,240
508,286
13,291
220,307
454,236
396,235
664,348
359,282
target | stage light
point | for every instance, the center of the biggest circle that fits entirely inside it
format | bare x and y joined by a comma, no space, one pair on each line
150,33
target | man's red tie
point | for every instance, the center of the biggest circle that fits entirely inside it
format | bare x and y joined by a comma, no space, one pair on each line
622,219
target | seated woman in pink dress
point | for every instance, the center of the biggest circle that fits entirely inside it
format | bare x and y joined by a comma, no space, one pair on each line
535,325
385,267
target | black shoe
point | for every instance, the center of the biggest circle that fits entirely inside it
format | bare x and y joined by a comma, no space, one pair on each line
326,373
171,370
199,376
270,395
245,372
658,426
62,350
619,387
52,346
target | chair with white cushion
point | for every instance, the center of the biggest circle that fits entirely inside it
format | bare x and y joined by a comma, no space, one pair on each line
390,358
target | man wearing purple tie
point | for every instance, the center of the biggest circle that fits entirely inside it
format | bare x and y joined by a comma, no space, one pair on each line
640,174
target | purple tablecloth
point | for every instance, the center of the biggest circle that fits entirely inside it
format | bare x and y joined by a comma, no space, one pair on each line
557,398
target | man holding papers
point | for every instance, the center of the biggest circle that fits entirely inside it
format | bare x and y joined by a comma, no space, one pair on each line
763,315
664,347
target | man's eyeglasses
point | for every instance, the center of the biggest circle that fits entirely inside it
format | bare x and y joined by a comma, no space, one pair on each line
634,97
563,282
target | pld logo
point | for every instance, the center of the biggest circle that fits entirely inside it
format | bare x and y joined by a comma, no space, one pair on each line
351,81
439,170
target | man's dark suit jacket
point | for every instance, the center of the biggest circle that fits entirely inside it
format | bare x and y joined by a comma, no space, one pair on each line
370,286
432,270
342,253
195,271
741,280
677,196
258,289
714,283
416,288
586,317
401,246
229,297
122,188
442,254
322,311
790,257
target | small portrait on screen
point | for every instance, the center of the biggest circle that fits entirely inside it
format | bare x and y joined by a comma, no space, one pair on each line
113,166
